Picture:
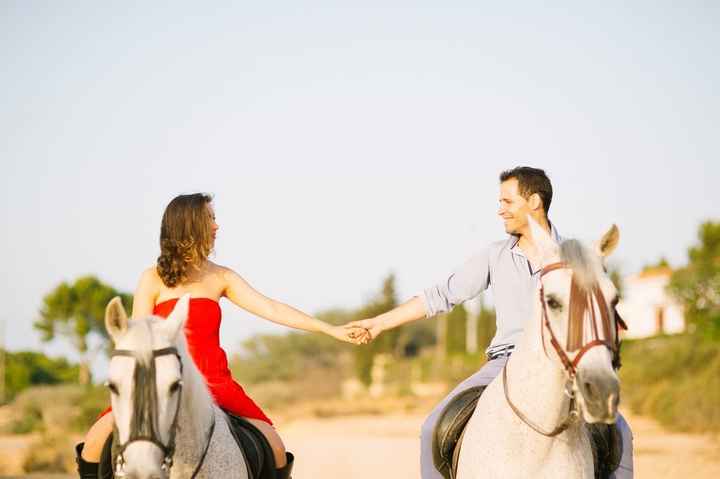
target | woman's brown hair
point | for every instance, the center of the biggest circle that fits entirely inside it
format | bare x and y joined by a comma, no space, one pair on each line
185,237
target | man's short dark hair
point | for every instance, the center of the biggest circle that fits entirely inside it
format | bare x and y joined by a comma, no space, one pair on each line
531,181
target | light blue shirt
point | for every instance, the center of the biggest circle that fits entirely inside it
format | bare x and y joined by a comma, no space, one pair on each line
503,266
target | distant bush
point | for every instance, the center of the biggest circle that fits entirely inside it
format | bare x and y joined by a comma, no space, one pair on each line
57,409
24,369
675,379
50,453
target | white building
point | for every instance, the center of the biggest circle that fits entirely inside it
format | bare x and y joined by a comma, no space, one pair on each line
647,308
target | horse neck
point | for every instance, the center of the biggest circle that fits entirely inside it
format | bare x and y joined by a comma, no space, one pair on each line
535,382
197,406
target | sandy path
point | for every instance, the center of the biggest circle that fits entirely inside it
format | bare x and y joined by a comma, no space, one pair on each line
355,448
387,447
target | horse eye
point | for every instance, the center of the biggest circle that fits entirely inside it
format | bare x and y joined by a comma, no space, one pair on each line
112,387
174,387
553,303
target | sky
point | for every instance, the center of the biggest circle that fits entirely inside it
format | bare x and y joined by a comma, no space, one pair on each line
343,141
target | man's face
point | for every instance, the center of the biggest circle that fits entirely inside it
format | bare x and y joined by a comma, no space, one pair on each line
514,209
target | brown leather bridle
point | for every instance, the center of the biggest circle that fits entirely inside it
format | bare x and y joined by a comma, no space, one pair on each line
575,341
576,323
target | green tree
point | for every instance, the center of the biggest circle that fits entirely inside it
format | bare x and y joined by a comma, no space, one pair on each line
387,342
456,331
29,368
288,357
486,327
76,312
697,285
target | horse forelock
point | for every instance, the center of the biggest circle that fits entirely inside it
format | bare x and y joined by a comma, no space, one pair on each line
584,264
139,339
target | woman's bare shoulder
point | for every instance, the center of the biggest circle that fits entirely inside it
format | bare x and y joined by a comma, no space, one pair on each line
219,270
224,273
150,276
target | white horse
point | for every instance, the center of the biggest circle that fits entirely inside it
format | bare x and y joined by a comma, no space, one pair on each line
530,421
167,424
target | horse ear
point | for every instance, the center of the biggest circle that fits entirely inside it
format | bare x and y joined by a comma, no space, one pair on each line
546,245
176,320
609,241
116,320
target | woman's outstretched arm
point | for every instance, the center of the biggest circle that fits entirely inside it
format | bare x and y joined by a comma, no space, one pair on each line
245,296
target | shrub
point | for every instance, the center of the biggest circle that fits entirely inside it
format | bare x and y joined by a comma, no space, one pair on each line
675,379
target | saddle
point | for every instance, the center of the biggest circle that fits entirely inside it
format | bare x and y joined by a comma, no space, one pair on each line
605,439
450,429
255,448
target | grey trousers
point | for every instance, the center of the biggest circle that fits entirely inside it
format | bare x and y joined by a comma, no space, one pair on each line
482,378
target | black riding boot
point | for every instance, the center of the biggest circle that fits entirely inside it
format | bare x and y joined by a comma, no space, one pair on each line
86,470
284,472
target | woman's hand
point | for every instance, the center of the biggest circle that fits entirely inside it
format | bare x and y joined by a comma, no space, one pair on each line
354,335
373,327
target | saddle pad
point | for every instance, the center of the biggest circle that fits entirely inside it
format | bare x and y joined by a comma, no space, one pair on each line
607,447
450,426
255,448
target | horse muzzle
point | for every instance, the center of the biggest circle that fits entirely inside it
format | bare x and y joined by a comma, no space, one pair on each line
598,394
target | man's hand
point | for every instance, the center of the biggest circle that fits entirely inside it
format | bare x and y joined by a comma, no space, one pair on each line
372,326
355,335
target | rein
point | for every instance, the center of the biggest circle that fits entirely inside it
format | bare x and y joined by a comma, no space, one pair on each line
143,425
580,304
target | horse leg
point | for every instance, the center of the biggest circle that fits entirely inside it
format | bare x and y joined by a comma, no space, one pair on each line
273,438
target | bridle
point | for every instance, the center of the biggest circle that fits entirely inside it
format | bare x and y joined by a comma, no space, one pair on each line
582,303
582,307
143,424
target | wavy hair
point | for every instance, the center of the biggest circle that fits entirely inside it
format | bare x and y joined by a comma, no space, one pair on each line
185,237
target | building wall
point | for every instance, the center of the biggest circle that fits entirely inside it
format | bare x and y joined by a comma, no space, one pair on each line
647,308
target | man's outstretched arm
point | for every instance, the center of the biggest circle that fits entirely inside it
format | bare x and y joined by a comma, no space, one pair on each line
464,283
407,312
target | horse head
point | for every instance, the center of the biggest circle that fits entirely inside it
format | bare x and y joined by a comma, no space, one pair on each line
145,382
579,327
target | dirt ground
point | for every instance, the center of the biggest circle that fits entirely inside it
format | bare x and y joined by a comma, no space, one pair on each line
387,447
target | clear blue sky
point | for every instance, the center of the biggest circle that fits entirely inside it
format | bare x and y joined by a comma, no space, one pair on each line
343,142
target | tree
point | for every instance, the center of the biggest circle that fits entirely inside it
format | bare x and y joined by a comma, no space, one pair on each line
288,357
486,327
697,285
615,275
388,341
76,312
29,368
455,341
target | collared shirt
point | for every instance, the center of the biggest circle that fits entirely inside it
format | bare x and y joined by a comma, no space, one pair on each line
503,266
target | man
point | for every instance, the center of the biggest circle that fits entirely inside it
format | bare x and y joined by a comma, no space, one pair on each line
512,267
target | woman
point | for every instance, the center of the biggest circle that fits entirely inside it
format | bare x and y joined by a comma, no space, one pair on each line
187,236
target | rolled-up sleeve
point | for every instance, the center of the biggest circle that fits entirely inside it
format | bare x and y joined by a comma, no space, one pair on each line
464,283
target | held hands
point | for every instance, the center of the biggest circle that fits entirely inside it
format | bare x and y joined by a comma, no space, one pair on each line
350,334
370,329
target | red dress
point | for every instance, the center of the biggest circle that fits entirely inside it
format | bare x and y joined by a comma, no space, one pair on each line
202,330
